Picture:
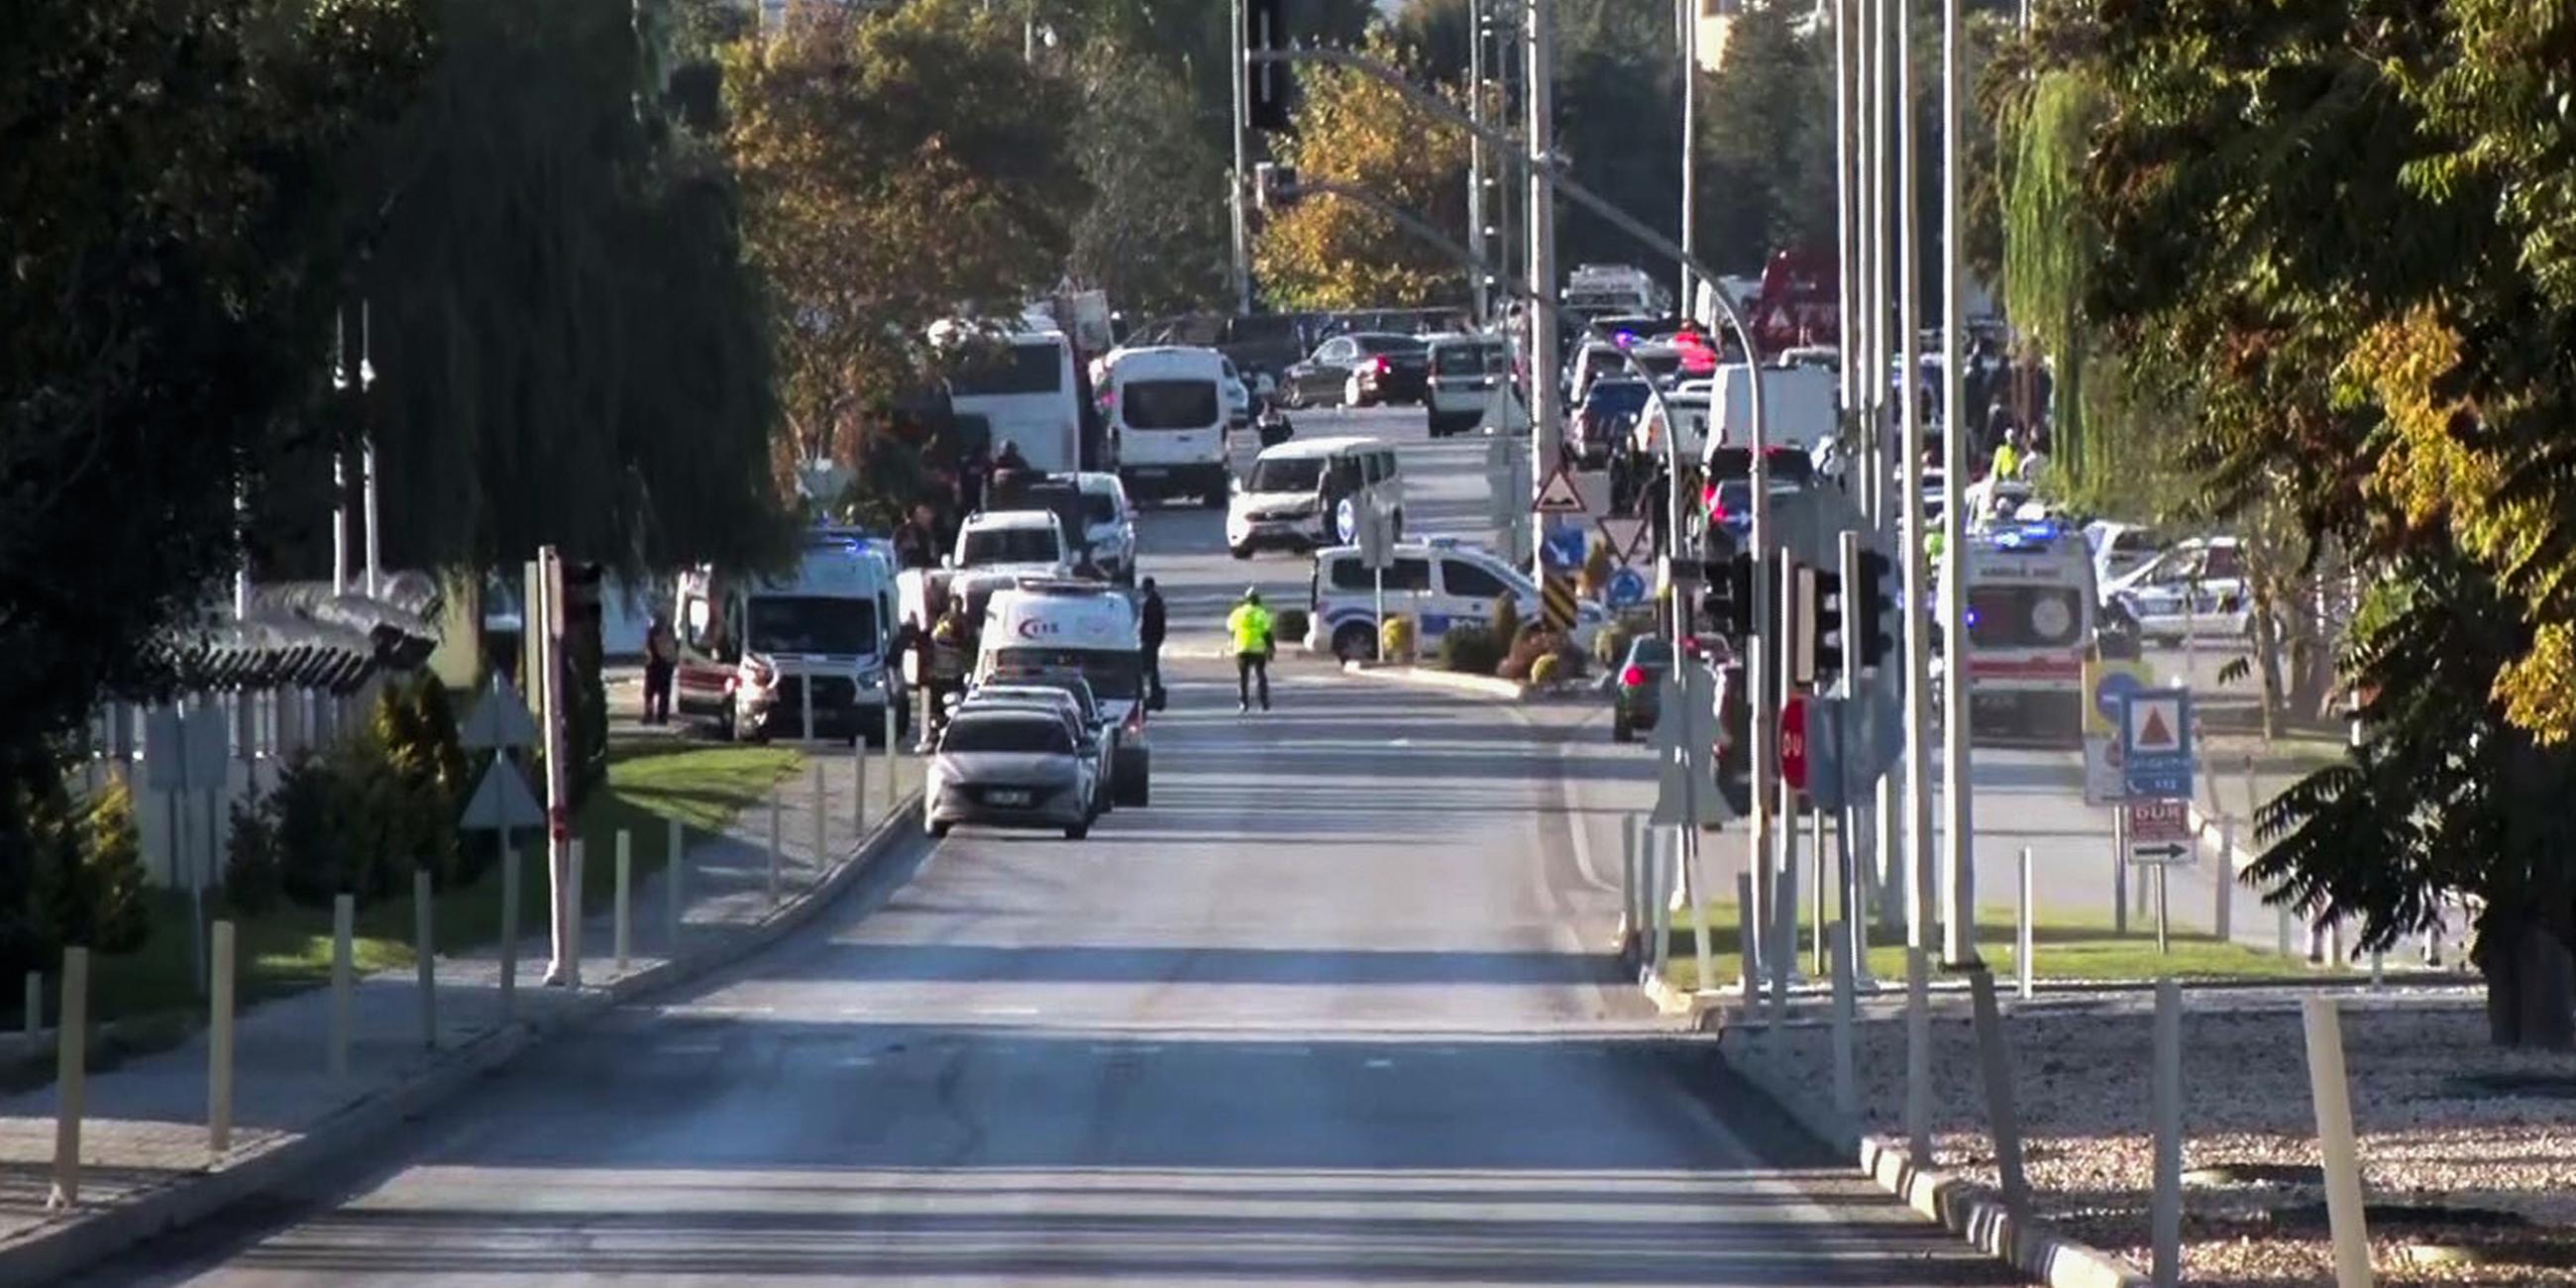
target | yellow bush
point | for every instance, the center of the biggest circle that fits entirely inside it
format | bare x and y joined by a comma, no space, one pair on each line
1546,668
1395,639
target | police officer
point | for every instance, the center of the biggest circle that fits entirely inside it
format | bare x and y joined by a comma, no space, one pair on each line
1249,627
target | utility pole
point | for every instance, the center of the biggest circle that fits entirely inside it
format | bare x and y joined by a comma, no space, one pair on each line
1241,83
1921,898
1480,289
1958,840
1687,13
1846,227
1546,422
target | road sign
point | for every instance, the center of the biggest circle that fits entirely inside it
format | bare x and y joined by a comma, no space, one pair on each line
2106,685
1631,541
1556,601
1376,539
1793,742
1503,413
1627,586
1558,495
501,800
1828,728
499,719
2160,831
1564,545
2155,742
1346,520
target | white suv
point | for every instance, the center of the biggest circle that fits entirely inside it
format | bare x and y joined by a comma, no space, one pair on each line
1466,372
1029,541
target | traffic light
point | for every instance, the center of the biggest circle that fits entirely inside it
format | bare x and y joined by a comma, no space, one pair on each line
1874,611
1266,97
1727,606
1820,623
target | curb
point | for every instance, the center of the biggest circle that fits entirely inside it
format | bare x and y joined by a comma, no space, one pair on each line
52,1252
1485,686
1969,1210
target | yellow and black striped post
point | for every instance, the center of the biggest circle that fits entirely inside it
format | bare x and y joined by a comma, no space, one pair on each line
1556,600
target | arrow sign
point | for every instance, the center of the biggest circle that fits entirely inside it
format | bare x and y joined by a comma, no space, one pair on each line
499,719
501,800
2167,852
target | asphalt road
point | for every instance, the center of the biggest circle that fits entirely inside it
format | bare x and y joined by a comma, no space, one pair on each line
1330,1011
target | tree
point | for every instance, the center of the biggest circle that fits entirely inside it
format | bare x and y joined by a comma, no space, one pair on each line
1435,36
903,165
1766,139
1155,235
1330,253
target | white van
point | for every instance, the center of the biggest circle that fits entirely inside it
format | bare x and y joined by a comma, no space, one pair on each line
1023,385
1467,372
1083,627
1439,584
1168,414
1311,492
752,648
1014,541
2031,618
1109,525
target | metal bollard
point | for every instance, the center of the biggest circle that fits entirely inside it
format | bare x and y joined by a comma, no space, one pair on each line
572,928
1632,926
1816,964
71,1072
859,785
219,1042
1918,1053
2165,1219
1748,966
889,788
621,937
675,869
1995,1067
35,1003
1846,1081
426,957
773,851
2023,938
509,928
822,820
2331,1092
2224,915
344,916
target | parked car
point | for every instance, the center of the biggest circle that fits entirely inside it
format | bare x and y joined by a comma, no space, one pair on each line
1011,767
1636,694
2196,588
2120,549
1466,371
1397,365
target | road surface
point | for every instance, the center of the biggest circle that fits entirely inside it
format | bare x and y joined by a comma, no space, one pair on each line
1331,1011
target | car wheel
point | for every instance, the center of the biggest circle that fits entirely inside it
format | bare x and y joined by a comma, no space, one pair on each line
1239,552
726,729
1355,642
1077,831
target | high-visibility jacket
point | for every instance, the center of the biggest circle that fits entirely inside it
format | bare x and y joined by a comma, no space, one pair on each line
2007,463
948,649
1249,624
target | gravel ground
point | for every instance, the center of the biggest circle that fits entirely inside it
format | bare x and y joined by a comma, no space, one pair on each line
2445,1120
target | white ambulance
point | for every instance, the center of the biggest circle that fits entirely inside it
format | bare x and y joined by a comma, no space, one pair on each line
754,649
2030,618
1088,628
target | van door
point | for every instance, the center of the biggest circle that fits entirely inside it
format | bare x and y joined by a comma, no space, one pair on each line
1468,589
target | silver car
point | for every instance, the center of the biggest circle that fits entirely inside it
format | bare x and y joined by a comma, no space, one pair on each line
1102,739
1012,767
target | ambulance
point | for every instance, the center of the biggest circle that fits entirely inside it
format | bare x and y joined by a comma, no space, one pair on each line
2031,619
1040,625
763,655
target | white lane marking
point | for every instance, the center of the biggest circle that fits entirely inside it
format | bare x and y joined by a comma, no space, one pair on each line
1399,742
1006,1010
1577,822
857,1061
1380,1062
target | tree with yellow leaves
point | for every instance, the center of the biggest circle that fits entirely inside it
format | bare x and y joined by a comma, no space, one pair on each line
1330,253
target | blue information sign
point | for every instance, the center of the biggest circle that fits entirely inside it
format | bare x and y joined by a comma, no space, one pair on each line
1627,586
2155,741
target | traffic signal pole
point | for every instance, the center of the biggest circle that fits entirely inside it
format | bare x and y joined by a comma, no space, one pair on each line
1958,838
1546,417
1921,897
1242,172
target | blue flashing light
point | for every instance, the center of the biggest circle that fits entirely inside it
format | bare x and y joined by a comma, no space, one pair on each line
1624,339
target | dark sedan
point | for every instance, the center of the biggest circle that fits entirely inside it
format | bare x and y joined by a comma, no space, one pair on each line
1637,696
1388,369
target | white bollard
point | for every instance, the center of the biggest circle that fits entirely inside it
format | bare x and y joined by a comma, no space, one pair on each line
71,1073
1994,1066
425,957
2165,1215
2224,916
1816,963
1657,904
1846,1081
2281,929
219,1042
35,1003
2332,1094
2378,965
859,785
1748,966
1632,927
1918,1053
822,818
889,787
344,917
2023,968
675,869
575,856
621,938
773,851
509,927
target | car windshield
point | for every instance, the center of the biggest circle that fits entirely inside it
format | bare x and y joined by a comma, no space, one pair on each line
1394,344
1286,474
1167,404
1616,398
1011,733
1099,507
1011,545
1651,651
1115,675
1029,367
811,624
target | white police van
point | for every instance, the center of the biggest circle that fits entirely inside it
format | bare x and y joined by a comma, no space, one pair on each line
1439,584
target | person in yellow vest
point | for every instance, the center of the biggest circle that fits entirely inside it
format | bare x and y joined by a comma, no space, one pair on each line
1249,627
2008,457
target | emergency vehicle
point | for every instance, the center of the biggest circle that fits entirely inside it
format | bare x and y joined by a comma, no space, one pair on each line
2030,617
757,653
1039,625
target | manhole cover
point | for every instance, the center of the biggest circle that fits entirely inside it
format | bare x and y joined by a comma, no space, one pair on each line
2554,1086
2394,1218
2230,1175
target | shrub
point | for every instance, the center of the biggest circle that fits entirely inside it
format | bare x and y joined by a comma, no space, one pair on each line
1548,669
315,843
1610,643
88,882
1470,650
1395,639
251,876
1535,641
1289,626
1597,568
1507,619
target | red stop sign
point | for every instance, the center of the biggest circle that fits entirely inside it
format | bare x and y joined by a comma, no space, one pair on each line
1793,742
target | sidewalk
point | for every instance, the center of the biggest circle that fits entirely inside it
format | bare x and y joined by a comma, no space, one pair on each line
146,1164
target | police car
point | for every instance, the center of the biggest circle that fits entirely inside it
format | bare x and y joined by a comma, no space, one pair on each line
1437,583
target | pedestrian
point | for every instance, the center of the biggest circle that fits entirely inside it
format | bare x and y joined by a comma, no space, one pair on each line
916,540
1149,631
2007,462
661,663
970,479
1249,625
950,644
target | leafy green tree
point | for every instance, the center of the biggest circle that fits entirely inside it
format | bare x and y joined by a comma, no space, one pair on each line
1330,253
902,165
1155,234
1435,36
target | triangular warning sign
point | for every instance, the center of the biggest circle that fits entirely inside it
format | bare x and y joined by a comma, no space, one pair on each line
2154,732
501,800
499,719
1630,539
1558,495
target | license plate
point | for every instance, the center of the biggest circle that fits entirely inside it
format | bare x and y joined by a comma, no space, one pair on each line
1150,472
1006,797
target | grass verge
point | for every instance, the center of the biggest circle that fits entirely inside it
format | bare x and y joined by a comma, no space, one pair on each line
2062,948
288,949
